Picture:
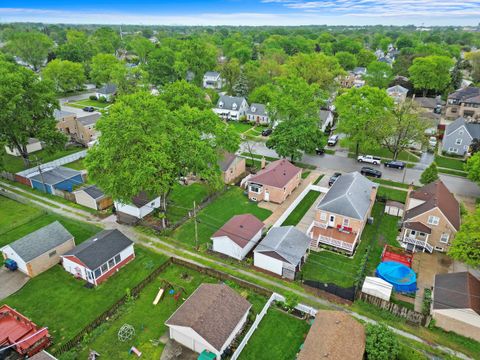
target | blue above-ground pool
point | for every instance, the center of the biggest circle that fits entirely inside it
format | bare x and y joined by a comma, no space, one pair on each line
400,276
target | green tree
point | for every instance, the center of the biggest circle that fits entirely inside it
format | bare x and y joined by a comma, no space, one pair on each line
474,59
430,174
381,343
362,113
379,74
105,40
365,57
473,167
262,94
431,73
181,93
161,66
129,79
198,56
65,75
346,60
142,47
241,86
32,47
466,245
77,48
230,73
27,104
104,68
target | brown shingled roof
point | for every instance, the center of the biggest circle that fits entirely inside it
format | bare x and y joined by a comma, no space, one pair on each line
334,335
213,311
417,225
276,174
241,229
434,195
459,290
142,199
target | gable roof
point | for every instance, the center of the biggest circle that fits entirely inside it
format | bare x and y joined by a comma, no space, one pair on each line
142,199
429,102
89,119
468,94
349,196
257,109
435,195
228,102
56,175
397,89
41,241
334,335
459,290
287,241
213,311
227,160
214,74
93,191
276,174
472,128
107,89
241,229
60,114
324,115
100,248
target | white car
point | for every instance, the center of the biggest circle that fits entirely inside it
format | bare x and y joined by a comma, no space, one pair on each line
432,141
369,159
332,140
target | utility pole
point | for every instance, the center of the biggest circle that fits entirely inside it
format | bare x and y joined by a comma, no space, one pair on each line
41,175
195,221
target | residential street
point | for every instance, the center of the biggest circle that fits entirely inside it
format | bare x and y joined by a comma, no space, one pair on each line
457,185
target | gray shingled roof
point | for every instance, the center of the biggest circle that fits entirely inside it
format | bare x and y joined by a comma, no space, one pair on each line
89,119
472,128
94,192
227,160
287,241
257,109
397,88
228,102
56,175
212,73
41,241
100,248
60,114
465,94
348,196
108,89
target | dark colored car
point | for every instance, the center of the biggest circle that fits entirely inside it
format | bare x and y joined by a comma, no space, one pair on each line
333,178
395,164
368,171
266,132
320,151
88,109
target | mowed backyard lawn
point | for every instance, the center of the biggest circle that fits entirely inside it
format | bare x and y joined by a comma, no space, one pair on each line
330,267
181,198
148,319
279,336
301,209
212,217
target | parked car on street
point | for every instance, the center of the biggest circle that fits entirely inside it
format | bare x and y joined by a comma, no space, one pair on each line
369,159
432,141
89,109
397,164
267,132
333,178
320,151
332,140
368,171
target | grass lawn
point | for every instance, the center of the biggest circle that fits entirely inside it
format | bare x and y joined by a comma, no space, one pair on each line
148,320
88,102
279,336
450,163
390,183
392,194
318,179
239,127
270,159
383,153
211,218
299,212
335,268
181,200
305,174
76,165
452,172
14,214
15,164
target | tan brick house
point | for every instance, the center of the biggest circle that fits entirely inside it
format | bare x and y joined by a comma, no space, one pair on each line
232,167
464,103
79,129
274,183
342,213
431,219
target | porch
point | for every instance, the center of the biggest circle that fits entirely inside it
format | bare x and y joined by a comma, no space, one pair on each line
415,237
340,238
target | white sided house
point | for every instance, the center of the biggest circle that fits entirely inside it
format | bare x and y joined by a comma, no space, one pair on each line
213,80
99,257
238,236
283,251
32,146
210,319
231,107
258,114
141,206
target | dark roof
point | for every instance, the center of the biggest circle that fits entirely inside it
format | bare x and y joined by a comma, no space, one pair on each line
434,195
108,89
93,191
241,229
41,241
213,311
212,73
89,119
467,94
100,248
396,204
428,102
276,174
473,128
226,102
416,225
142,199
459,290
257,109
56,175
227,160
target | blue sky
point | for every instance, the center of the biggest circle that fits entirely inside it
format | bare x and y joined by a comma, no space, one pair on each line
245,12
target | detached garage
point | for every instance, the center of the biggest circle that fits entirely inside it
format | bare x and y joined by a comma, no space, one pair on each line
41,249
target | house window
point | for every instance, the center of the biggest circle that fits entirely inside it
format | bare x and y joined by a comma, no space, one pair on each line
458,142
111,263
323,216
117,259
53,253
438,248
444,238
412,232
421,234
98,272
346,222
255,188
433,220
89,275
104,268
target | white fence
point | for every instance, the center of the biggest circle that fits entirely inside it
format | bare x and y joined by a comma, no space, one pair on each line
275,297
295,203
55,163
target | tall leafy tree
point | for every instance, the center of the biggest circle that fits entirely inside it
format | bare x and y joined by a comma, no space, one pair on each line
65,75
431,73
32,47
362,113
241,86
142,47
181,93
429,175
77,48
365,57
379,74
473,167
104,68
198,56
161,66
466,245
231,72
347,60
105,40
27,104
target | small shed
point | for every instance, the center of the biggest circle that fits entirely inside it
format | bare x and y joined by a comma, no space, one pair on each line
377,287
394,208
57,178
41,249
33,145
93,197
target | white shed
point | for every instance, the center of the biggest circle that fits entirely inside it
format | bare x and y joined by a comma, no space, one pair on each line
394,208
33,145
377,287
141,206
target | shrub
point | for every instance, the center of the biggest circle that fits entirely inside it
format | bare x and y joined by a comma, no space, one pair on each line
102,99
427,301
381,343
92,97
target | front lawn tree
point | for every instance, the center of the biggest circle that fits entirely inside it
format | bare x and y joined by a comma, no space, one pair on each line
65,75
381,343
430,174
104,68
431,73
379,74
31,46
27,104
473,167
466,245
363,114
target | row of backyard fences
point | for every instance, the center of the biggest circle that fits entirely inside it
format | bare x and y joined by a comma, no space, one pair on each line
55,163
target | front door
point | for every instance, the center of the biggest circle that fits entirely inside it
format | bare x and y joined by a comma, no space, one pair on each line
266,196
331,221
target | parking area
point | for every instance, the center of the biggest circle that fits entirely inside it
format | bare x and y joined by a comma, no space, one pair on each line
11,281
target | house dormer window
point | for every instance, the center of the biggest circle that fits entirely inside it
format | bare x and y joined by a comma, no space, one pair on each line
253,109
220,104
234,106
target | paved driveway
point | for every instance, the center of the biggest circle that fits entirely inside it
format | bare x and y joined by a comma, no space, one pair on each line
11,281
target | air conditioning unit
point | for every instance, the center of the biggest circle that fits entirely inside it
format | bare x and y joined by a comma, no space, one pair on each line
370,220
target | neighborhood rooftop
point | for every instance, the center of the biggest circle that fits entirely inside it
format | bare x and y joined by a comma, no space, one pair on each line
94,192
470,94
350,195
473,128
240,228
55,175
459,290
89,119
227,160
227,102
41,241
277,174
107,89
257,109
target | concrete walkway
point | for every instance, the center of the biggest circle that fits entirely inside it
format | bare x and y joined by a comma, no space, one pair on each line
309,215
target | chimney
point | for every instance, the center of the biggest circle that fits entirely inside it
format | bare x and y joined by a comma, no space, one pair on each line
373,194
407,201
262,163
